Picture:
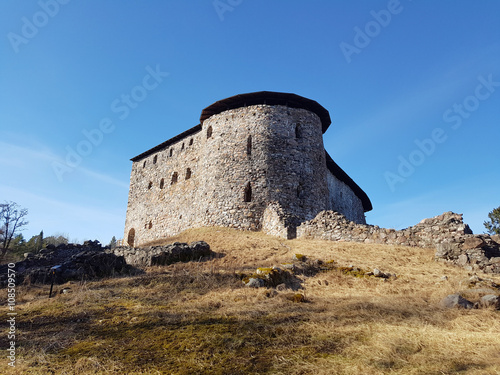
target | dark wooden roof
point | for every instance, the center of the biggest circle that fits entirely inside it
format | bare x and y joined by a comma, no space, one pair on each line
271,98
161,146
342,176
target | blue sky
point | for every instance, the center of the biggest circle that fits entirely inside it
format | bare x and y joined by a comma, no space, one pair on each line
413,90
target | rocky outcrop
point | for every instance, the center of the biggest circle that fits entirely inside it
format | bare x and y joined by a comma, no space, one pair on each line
90,260
67,262
163,255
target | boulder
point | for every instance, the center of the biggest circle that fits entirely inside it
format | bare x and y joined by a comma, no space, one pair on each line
462,260
254,282
473,243
446,249
180,252
490,300
496,238
455,300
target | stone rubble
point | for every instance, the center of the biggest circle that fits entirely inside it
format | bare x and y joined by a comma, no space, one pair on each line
447,233
91,260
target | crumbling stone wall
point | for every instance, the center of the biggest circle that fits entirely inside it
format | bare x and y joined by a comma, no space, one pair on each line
331,225
479,252
452,238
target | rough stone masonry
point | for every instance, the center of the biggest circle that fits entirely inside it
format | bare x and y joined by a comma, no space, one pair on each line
256,161
447,233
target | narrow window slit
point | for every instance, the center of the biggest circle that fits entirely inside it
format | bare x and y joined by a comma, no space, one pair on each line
248,193
298,131
174,178
249,145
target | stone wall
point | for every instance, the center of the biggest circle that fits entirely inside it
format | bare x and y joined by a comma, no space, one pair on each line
342,199
452,238
163,193
277,222
331,225
230,170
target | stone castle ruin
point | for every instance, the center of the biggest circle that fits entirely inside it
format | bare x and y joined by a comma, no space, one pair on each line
256,161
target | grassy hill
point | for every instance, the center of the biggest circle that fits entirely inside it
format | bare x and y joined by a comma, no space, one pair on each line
198,318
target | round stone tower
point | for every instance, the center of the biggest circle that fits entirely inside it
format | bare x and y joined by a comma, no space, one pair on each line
260,149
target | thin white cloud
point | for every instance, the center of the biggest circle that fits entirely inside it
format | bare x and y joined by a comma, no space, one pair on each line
26,158
104,178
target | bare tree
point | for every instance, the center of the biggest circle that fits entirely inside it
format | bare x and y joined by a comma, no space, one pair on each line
11,221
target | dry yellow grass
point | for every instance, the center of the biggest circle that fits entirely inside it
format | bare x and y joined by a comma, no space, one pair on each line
197,318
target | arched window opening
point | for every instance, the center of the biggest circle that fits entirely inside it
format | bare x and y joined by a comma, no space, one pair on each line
155,159
174,178
191,142
162,183
131,237
182,147
209,132
249,145
144,164
298,131
188,173
248,193
150,185
150,225
171,151
300,191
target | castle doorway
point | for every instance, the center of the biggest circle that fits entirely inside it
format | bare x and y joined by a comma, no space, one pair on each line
131,237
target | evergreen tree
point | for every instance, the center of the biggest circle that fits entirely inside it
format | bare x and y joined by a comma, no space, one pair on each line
18,244
493,226
112,243
39,244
